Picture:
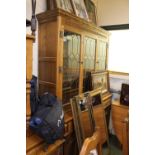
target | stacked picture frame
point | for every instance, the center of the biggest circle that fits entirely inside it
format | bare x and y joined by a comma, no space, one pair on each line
77,7
87,108
100,81
84,122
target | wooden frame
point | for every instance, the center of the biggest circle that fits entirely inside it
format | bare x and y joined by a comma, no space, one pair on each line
99,114
84,122
66,5
92,12
100,81
80,9
85,118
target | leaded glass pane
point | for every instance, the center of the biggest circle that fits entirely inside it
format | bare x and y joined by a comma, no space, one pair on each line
70,65
101,57
89,59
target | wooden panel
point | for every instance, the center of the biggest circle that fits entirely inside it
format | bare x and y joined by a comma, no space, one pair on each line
46,88
28,109
99,117
48,37
119,115
32,142
47,70
70,145
86,124
118,129
59,60
29,43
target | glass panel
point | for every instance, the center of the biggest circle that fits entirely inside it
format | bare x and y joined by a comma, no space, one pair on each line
101,57
70,66
88,60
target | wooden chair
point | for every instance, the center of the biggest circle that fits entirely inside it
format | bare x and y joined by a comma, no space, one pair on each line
92,143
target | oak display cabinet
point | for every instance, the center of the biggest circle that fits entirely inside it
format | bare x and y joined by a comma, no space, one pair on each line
69,47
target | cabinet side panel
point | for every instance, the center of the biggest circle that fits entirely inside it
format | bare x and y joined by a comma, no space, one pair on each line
29,44
48,39
47,71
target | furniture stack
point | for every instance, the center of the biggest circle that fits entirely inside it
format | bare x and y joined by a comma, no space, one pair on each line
69,48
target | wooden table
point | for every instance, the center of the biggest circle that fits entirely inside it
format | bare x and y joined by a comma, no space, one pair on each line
120,119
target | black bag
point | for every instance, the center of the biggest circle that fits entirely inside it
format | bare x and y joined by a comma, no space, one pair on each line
124,97
47,120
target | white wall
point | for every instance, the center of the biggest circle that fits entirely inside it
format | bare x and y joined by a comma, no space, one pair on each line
119,51
112,12
40,7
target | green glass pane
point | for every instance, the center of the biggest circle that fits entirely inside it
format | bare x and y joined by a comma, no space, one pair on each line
71,58
88,60
101,58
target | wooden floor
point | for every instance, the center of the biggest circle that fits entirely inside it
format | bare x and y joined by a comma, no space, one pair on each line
115,147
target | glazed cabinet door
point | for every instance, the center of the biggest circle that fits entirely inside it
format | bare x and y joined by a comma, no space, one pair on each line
101,55
71,65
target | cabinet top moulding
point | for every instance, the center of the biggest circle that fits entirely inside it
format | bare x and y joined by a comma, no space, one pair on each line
71,20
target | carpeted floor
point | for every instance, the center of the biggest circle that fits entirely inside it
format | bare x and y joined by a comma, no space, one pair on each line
115,147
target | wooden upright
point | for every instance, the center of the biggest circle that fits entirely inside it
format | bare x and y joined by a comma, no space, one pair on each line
29,43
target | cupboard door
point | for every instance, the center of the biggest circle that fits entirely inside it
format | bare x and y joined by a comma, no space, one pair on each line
71,58
101,56
88,60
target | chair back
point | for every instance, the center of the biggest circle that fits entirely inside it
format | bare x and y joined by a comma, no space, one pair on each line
92,143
